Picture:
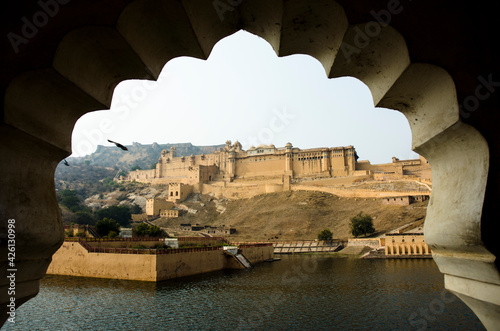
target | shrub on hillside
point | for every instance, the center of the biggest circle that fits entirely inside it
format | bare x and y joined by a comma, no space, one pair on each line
325,234
362,224
105,226
84,218
146,230
121,214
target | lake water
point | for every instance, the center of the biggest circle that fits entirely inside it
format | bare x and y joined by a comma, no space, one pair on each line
300,292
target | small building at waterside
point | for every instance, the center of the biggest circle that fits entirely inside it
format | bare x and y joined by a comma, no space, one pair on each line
406,244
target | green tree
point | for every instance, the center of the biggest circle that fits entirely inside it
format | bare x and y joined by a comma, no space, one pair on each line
362,224
83,217
136,167
69,199
119,213
121,197
155,231
135,209
105,226
123,173
146,230
141,230
113,234
152,166
325,234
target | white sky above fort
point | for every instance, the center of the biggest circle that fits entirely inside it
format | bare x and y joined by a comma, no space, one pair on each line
245,92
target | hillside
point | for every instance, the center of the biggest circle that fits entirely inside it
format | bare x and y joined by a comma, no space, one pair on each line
276,216
86,174
141,155
293,215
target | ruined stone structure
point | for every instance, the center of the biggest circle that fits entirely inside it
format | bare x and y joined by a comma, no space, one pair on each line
404,200
155,206
262,161
163,207
416,168
70,64
172,213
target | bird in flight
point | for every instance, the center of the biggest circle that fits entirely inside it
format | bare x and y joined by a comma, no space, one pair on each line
118,145
65,162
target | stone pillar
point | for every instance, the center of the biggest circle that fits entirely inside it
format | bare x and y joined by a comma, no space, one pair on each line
289,159
28,204
173,152
158,172
232,164
324,163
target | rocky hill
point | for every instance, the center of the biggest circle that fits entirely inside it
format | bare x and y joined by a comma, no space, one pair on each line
86,174
139,155
294,215
276,216
298,215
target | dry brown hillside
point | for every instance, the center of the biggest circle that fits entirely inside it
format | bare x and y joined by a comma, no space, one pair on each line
295,215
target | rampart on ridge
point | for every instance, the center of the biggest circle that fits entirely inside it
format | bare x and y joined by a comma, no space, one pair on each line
235,173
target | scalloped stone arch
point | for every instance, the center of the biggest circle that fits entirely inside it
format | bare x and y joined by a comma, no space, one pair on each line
91,61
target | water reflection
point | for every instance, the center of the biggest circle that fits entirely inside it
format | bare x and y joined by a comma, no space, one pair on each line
300,292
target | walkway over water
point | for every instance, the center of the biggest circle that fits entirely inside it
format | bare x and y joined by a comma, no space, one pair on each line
307,246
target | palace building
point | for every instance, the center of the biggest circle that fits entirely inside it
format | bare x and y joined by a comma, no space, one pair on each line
257,162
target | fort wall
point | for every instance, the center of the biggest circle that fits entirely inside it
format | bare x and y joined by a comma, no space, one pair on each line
401,201
257,252
235,173
357,193
120,243
260,166
370,242
72,259
263,160
189,263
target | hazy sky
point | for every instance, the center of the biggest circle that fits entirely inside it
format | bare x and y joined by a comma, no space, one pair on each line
245,92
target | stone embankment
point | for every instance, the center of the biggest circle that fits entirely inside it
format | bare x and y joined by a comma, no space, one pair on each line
349,192
121,259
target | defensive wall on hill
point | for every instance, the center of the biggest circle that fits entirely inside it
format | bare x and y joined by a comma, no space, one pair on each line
357,193
242,191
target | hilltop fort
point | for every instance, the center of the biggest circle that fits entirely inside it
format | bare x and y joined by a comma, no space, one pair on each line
236,173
